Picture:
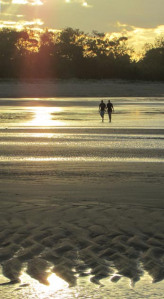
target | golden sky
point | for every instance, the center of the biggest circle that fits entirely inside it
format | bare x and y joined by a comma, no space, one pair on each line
141,20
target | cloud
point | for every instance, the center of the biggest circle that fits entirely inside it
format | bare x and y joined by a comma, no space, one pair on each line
5,2
81,2
34,24
28,2
137,36
139,24
10,15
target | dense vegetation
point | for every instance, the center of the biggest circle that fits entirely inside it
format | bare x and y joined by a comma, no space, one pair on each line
71,53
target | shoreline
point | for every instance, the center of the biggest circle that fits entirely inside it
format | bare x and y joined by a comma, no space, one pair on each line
12,88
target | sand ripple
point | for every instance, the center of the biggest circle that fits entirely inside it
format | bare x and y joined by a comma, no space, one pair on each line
81,240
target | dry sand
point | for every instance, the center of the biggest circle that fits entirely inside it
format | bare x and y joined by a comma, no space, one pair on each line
80,88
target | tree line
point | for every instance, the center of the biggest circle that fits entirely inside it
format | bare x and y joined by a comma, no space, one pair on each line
71,53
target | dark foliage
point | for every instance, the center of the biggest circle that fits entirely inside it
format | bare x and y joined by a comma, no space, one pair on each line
72,53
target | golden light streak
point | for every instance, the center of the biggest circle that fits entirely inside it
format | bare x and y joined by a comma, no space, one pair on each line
20,2
45,116
23,2
22,24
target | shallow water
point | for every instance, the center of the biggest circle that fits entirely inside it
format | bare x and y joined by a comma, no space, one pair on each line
20,118
81,112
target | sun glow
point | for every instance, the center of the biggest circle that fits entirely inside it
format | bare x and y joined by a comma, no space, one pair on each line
34,2
85,4
81,2
19,2
45,116
37,2
56,283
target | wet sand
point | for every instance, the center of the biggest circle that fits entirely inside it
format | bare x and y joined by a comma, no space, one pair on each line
109,214
85,204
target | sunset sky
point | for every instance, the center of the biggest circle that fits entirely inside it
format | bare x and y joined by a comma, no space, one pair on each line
141,20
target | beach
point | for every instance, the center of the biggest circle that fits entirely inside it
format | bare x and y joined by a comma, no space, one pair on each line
81,200
11,88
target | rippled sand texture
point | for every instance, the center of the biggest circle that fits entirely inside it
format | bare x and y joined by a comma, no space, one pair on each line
75,236
82,201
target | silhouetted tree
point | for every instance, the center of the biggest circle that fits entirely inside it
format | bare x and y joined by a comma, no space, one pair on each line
151,67
73,53
8,51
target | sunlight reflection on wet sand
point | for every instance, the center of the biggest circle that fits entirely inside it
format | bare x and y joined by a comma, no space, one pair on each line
58,288
43,116
129,112
80,159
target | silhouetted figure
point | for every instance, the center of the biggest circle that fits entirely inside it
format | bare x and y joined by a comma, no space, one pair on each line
102,108
110,109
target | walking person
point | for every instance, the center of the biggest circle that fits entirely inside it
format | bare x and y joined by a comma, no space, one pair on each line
102,108
110,109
